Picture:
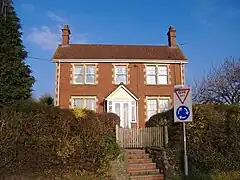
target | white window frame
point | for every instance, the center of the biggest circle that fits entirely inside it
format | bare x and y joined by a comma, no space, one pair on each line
158,98
84,101
157,75
84,74
115,73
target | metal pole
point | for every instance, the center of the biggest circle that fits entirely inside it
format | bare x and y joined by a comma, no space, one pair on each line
2,7
185,150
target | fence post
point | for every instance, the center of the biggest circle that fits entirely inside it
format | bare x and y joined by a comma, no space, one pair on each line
117,133
165,134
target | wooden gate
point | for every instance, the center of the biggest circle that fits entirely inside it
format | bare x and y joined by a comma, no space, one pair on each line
141,137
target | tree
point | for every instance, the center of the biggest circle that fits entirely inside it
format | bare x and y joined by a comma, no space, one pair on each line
221,84
3,7
46,99
15,76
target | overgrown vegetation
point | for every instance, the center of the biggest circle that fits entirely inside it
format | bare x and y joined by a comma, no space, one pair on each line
46,99
212,140
45,141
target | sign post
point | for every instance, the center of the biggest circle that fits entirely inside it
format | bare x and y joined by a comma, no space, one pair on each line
183,114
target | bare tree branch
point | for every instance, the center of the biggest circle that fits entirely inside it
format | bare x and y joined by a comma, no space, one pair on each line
220,85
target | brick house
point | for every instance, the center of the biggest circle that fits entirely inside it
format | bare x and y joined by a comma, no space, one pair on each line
133,81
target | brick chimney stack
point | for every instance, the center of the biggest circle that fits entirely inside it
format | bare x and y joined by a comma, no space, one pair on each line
172,37
65,35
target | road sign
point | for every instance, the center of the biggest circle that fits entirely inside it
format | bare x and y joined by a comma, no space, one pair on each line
183,113
182,104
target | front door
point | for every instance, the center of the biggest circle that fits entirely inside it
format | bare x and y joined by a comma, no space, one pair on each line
126,111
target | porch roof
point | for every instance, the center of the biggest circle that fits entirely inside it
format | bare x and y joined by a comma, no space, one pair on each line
121,86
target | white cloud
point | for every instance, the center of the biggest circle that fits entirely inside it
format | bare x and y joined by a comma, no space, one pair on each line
55,17
44,37
48,39
29,7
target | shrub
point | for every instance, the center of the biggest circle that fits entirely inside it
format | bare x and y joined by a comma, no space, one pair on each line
234,175
212,137
79,112
46,99
30,136
110,120
37,138
88,133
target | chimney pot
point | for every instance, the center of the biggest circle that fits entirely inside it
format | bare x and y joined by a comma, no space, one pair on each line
172,37
65,35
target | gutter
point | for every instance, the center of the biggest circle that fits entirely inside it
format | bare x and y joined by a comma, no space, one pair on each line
159,61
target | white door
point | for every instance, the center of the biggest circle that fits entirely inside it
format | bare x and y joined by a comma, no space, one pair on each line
125,111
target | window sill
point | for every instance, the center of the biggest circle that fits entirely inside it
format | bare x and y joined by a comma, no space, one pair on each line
157,84
83,84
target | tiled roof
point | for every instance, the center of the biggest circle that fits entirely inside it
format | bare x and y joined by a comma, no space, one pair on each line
103,51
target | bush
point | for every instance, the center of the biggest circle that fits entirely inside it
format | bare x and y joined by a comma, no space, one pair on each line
110,120
212,138
38,138
235,175
30,136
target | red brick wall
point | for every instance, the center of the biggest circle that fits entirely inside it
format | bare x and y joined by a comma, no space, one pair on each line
105,86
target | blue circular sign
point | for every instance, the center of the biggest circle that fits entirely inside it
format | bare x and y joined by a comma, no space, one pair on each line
183,113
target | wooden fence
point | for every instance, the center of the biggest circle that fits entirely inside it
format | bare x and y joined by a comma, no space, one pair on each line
141,137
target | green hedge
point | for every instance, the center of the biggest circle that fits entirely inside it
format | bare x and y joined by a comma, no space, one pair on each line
37,138
212,138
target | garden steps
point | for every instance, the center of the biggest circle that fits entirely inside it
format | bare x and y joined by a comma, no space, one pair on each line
140,166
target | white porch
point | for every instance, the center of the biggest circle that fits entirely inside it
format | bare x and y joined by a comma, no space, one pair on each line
125,104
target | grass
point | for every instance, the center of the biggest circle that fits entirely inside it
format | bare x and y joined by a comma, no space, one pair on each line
118,169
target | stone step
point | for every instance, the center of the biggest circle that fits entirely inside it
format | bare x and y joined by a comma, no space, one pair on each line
140,166
137,156
139,161
143,166
144,172
147,177
135,151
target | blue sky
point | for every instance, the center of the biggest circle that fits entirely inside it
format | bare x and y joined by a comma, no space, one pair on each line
210,29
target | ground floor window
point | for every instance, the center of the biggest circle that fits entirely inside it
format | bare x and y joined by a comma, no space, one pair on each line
157,105
88,102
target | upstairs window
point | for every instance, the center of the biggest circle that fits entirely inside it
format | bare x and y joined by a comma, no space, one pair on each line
84,74
157,74
120,74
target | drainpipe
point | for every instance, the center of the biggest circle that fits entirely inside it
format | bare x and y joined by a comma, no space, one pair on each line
59,72
137,117
181,74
